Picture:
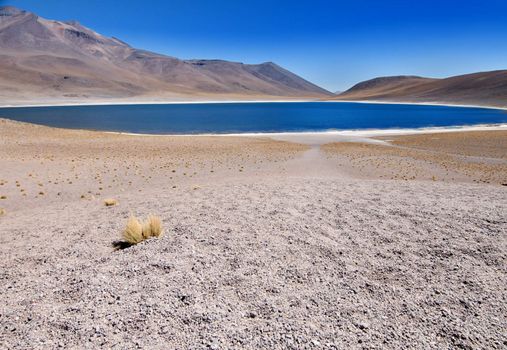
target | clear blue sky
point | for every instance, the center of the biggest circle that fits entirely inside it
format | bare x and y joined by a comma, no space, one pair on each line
332,43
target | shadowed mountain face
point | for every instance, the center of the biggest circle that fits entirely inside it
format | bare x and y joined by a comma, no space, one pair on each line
42,59
485,88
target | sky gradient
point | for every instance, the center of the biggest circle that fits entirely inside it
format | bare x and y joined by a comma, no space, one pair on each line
334,44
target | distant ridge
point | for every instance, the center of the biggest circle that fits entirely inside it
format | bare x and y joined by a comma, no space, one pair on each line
484,88
42,59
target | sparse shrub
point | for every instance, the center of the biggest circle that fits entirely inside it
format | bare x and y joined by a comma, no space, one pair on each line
135,232
3,197
2,211
152,227
109,202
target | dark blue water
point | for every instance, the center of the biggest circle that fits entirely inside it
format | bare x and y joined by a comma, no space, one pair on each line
252,117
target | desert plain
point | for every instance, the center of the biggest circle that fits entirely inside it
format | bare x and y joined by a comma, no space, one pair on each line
397,241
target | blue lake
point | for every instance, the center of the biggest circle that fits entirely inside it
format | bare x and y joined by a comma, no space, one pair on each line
252,117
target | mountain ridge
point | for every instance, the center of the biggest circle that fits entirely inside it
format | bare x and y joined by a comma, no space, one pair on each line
482,88
51,59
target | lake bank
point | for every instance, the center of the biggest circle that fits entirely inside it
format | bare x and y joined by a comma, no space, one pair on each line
131,102
254,118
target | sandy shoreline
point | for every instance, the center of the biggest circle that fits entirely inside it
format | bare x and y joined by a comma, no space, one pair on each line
436,103
364,135
155,102
268,243
323,137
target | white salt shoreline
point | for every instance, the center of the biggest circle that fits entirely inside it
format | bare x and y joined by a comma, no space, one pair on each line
133,103
323,137
125,103
315,137
436,103
354,132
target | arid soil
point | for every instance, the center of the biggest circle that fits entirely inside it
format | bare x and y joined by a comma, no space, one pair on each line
476,156
41,165
267,245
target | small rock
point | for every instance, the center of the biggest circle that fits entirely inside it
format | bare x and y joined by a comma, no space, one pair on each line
213,345
362,325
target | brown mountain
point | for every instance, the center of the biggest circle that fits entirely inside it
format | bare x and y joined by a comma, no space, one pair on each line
485,88
45,60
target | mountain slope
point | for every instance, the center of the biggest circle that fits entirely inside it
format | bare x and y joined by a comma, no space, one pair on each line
53,60
484,88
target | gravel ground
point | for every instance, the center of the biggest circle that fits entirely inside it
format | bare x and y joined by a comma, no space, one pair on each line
298,263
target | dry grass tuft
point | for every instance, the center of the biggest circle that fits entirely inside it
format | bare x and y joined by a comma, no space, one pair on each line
2,211
109,202
153,226
135,232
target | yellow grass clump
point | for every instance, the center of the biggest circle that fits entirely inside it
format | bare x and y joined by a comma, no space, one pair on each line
109,202
135,232
152,227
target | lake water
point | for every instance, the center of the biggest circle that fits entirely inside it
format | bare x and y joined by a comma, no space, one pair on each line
252,117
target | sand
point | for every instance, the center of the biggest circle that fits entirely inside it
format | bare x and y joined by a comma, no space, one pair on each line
500,105
154,101
45,102
268,244
475,156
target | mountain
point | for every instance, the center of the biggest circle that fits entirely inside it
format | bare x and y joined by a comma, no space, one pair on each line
484,88
382,85
44,60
